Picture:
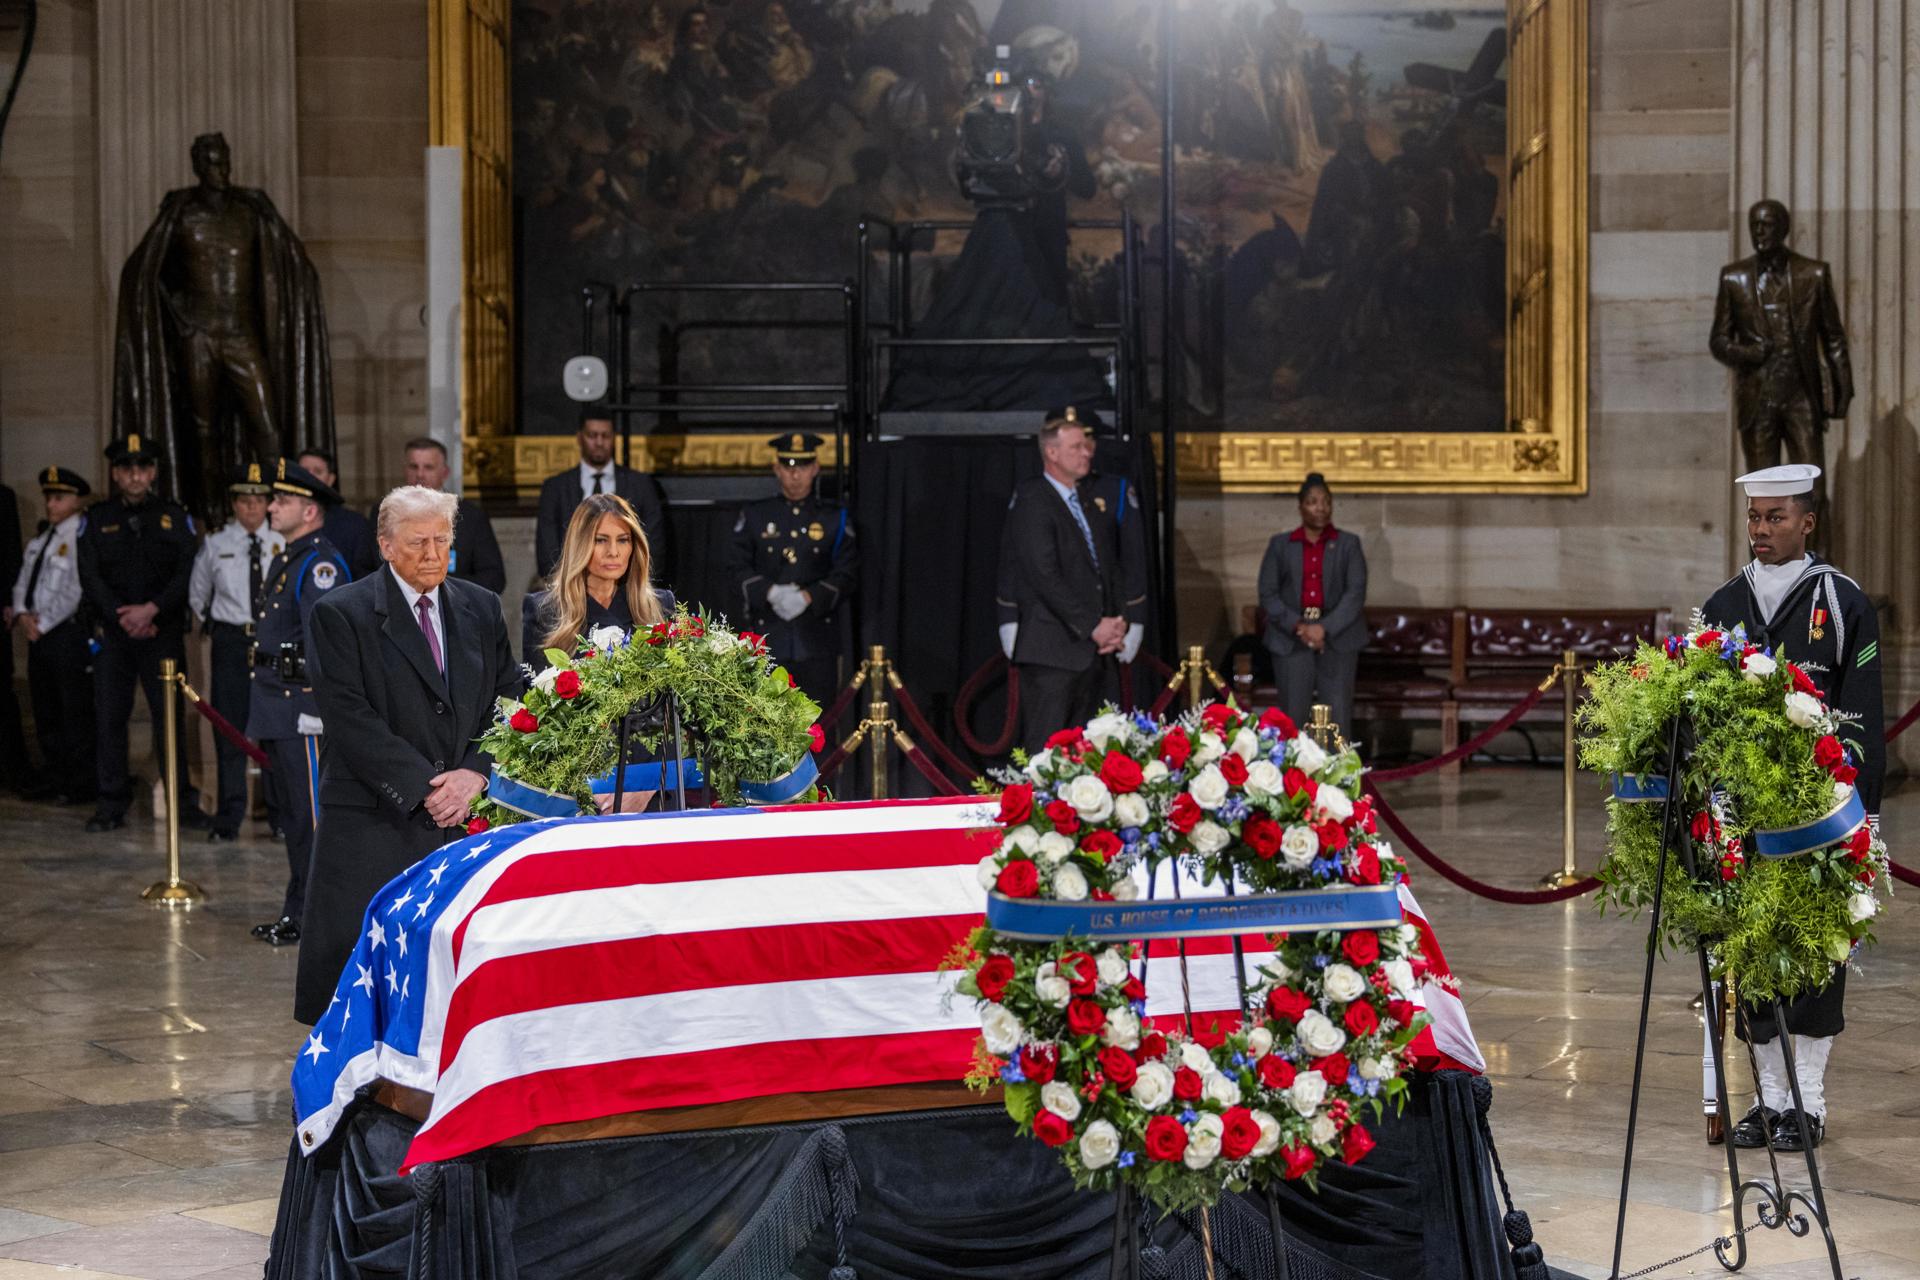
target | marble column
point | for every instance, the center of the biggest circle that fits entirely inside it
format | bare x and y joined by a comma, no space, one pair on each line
1827,118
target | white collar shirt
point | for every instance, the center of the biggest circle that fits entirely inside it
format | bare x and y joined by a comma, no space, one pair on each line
220,587
435,599
56,592
587,474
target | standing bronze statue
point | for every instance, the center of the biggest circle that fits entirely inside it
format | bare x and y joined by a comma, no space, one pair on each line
221,349
1776,324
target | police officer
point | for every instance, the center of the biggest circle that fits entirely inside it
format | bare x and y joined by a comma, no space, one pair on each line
792,564
46,609
136,557
224,593
283,716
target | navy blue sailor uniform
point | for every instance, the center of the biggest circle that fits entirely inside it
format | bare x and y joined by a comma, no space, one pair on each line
809,545
283,716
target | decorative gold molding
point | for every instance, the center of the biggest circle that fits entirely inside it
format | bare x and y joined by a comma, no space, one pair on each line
527,460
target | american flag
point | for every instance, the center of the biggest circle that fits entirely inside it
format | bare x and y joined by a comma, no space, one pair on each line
574,968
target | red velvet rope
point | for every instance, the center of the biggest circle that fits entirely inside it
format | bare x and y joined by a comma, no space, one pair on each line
831,765
931,772
840,704
1901,873
960,768
1904,723
224,727
1517,897
970,693
1465,749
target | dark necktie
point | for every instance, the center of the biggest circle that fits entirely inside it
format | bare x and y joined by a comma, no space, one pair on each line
424,607
597,477
33,578
254,575
1080,518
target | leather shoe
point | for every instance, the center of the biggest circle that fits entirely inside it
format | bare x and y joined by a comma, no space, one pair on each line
106,820
222,835
282,932
1755,1127
1796,1132
275,834
193,819
261,930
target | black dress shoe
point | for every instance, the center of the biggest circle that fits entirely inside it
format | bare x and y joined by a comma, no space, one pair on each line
106,820
262,930
1755,1127
222,835
1795,1132
276,834
282,932
192,819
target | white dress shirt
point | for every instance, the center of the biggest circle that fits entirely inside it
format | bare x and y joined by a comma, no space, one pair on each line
587,474
433,597
56,594
219,588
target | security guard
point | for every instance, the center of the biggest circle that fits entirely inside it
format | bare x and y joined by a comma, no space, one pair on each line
46,609
136,557
283,716
792,564
228,576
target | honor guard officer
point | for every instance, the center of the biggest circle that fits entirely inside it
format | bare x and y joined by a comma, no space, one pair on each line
46,609
228,576
284,718
136,557
792,564
1807,612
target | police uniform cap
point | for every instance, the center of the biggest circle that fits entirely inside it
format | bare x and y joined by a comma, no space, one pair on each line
251,478
133,447
1077,416
61,480
796,448
1780,482
290,477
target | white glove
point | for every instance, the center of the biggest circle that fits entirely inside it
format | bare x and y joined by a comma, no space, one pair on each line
787,600
1131,645
1008,630
310,726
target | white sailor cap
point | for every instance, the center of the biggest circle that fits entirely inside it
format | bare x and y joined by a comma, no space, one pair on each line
1780,482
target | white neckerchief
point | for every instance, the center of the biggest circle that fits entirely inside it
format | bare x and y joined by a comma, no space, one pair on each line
1772,582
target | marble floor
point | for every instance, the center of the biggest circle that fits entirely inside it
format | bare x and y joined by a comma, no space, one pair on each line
144,1056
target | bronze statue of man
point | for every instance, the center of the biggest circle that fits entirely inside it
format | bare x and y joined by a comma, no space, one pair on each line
221,349
1776,324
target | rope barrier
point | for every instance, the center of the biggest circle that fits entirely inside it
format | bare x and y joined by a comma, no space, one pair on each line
1904,723
928,770
1902,874
833,713
831,765
941,750
970,692
223,726
1514,897
1465,749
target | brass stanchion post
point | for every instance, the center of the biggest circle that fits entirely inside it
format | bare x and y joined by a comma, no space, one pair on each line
1570,697
173,891
876,717
1195,665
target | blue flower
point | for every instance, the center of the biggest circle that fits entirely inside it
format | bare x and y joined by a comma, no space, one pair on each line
1178,777
1144,722
1189,1116
1130,835
1011,1073
1320,961
1153,840
1126,1159
1279,754
1140,1008
1234,809
1241,1060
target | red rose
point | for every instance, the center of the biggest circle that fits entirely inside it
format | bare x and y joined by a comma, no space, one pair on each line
1261,834
1175,748
1120,773
1081,973
1846,773
1064,817
816,737
1166,1138
1211,1036
1051,1129
1038,1064
1828,752
1134,989
1860,843
1403,1011
1016,805
753,638
476,825
1801,680
1298,1160
1362,947
1275,718
1085,1018
1366,865
1240,1133
657,634
1334,1068
524,720
1217,715
1707,640
1275,1072
1361,1020
1184,814
1333,836
1355,1143
1068,738
1865,876
567,684
1287,1004
1703,825
995,972
1100,844
1187,1084
1118,1066
1233,769
1019,879
1294,781
1152,1045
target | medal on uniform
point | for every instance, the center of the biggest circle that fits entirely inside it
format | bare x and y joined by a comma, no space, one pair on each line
817,531
1816,630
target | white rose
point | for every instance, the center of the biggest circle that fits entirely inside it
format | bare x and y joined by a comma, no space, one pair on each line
1099,1145
1112,966
1000,1029
1112,727
1259,1043
1399,977
1842,791
1862,906
1409,935
722,644
1323,1130
1317,1034
1050,987
606,637
1090,797
1264,778
1209,749
1299,846
1308,1091
1758,666
1269,1134
1125,890
1058,1097
1335,803
1210,837
1804,709
1194,1055
1069,883
1246,745
989,872
1208,788
1155,771
1223,1089
1343,982
1280,971
1203,1142
1130,810
1375,1069
1054,848
544,681
1122,1030
1023,839
1153,1086
1038,765
1307,755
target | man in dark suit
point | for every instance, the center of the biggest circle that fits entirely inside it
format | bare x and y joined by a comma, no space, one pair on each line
350,532
476,552
598,473
406,664
1776,324
1061,585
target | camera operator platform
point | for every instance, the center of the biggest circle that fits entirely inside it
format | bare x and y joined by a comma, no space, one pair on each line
283,716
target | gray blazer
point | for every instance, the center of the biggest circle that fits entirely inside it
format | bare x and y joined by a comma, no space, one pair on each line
1343,576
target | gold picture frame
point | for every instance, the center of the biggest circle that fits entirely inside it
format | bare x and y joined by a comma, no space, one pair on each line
1543,451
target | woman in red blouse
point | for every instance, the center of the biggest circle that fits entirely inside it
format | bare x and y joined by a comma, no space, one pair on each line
1313,589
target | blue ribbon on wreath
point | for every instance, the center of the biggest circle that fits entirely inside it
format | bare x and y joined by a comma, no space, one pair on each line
1631,790
789,786
1846,818
1299,910
538,802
